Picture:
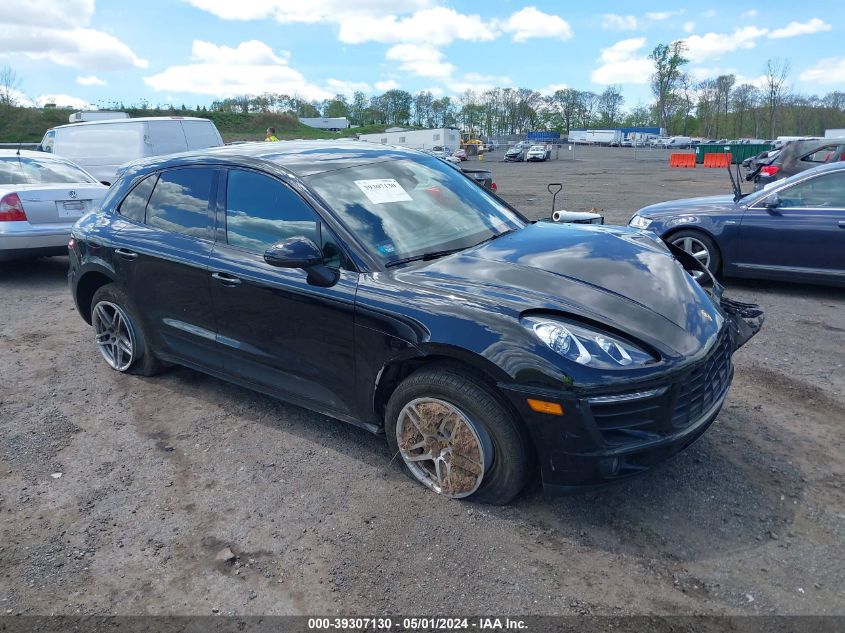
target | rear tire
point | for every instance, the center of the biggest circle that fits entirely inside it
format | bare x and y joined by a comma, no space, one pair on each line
119,335
484,453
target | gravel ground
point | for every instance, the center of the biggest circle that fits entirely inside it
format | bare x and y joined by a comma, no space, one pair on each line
121,495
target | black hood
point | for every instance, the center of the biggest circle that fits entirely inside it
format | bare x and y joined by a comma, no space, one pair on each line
613,276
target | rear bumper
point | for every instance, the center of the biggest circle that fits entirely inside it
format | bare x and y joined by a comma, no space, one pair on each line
22,239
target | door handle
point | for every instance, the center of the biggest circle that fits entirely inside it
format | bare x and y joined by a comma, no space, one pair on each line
125,254
226,280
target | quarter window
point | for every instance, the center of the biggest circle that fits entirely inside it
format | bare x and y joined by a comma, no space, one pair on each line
134,205
828,154
179,202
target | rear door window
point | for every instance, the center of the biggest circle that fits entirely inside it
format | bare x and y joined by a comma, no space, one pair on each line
134,206
180,201
826,154
165,137
201,134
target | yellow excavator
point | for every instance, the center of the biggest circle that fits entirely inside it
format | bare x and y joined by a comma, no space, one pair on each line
471,143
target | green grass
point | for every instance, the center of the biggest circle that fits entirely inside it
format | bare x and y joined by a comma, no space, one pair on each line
27,125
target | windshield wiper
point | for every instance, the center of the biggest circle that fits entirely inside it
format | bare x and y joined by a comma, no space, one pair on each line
423,256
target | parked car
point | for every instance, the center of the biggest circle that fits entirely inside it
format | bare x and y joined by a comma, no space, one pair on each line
793,230
377,285
514,154
100,147
537,153
678,142
41,196
483,177
460,153
792,158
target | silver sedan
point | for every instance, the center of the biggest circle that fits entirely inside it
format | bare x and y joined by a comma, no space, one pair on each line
41,196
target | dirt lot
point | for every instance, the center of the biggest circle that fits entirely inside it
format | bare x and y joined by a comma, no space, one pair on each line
159,475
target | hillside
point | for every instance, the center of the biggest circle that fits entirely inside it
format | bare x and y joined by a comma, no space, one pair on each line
28,125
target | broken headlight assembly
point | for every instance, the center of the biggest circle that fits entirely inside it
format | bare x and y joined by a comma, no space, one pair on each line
587,346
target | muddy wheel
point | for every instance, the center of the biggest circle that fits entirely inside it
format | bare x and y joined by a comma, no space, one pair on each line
456,438
118,333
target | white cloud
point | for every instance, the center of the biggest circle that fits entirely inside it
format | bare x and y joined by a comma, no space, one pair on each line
689,27
434,90
91,80
421,60
830,70
340,86
57,31
387,84
551,89
713,45
310,12
663,15
250,68
792,29
621,64
437,26
477,82
531,23
751,13
710,13
702,73
616,22
63,100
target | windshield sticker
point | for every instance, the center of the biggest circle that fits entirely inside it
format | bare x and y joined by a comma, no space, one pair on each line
386,248
383,190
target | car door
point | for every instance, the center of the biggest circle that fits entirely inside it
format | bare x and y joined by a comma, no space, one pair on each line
802,236
165,242
277,330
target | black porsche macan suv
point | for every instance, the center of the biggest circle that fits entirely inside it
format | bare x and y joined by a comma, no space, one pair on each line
384,288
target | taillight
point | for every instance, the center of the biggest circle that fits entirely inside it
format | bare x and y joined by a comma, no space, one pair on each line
11,208
493,186
769,170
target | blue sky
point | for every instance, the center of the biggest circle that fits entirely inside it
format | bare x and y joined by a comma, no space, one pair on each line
195,51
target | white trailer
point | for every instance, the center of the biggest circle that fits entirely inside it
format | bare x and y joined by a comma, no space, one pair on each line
595,137
417,139
99,115
326,123
840,133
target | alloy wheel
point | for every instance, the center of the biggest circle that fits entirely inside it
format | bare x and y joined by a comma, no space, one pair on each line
442,448
114,335
697,249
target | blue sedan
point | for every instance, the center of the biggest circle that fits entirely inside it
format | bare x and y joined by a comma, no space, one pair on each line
793,230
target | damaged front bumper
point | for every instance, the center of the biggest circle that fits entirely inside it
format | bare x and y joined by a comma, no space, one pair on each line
745,319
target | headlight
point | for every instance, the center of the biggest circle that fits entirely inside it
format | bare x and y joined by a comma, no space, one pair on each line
586,346
640,222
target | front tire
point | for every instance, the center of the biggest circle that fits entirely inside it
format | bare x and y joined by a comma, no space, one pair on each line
456,438
700,246
119,335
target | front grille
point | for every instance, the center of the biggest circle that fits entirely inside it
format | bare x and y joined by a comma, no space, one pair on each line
704,386
647,419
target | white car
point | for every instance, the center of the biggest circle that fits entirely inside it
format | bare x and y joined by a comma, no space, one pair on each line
41,196
537,152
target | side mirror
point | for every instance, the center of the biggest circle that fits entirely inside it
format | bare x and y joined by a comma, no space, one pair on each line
772,202
294,252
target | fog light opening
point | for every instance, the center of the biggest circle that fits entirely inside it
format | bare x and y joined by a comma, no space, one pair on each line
609,466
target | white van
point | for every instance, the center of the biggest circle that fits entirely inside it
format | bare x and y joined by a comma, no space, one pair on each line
679,142
100,147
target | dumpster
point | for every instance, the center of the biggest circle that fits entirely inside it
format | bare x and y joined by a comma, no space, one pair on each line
739,151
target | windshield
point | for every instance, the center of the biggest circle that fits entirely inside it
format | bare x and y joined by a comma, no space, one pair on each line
24,170
407,208
537,148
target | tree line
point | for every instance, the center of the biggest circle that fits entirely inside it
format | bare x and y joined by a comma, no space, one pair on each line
716,107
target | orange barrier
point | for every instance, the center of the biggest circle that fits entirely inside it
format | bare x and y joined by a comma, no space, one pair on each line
717,160
682,160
